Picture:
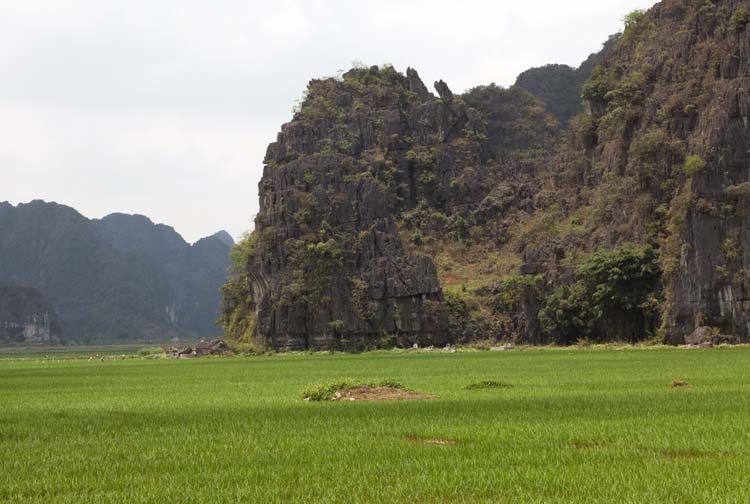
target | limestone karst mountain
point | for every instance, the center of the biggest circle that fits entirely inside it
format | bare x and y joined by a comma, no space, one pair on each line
389,213
669,120
194,272
120,278
366,160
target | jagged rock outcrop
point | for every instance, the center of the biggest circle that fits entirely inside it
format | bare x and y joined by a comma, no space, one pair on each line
368,162
653,179
328,267
26,317
117,279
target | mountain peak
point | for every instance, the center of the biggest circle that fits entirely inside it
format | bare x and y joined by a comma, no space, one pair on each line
224,237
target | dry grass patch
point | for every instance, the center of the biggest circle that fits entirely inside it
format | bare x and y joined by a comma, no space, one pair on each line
431,441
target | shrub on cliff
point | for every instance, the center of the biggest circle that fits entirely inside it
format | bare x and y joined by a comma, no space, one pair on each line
632,18
614,297
694,164
237,316
740,18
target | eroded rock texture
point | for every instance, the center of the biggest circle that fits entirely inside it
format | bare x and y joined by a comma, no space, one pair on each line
671,107
328,267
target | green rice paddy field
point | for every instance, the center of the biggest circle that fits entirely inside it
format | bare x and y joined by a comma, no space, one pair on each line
594,425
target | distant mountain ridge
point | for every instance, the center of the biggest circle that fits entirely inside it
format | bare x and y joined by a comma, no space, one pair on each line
559,86
119,278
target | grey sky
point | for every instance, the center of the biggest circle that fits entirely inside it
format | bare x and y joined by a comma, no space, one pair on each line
165,107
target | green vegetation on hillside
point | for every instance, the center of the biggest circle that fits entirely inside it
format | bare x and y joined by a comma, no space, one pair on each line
615,297
559,86
237,315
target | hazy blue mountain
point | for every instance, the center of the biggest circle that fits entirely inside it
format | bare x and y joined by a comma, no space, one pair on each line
120,278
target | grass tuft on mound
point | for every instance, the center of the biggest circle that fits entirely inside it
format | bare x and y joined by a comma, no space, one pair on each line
488,384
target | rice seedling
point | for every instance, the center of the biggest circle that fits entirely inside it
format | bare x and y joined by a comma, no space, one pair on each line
589,425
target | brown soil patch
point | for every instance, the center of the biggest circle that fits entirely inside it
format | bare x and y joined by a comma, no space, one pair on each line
450,279
366,393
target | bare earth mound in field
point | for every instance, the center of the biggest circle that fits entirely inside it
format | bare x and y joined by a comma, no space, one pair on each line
368,393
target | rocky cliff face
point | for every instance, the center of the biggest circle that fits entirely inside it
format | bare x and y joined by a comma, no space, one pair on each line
328,268
670,114
26,317
366,162
657,164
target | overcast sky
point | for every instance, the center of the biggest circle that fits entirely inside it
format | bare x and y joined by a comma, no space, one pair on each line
165,107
